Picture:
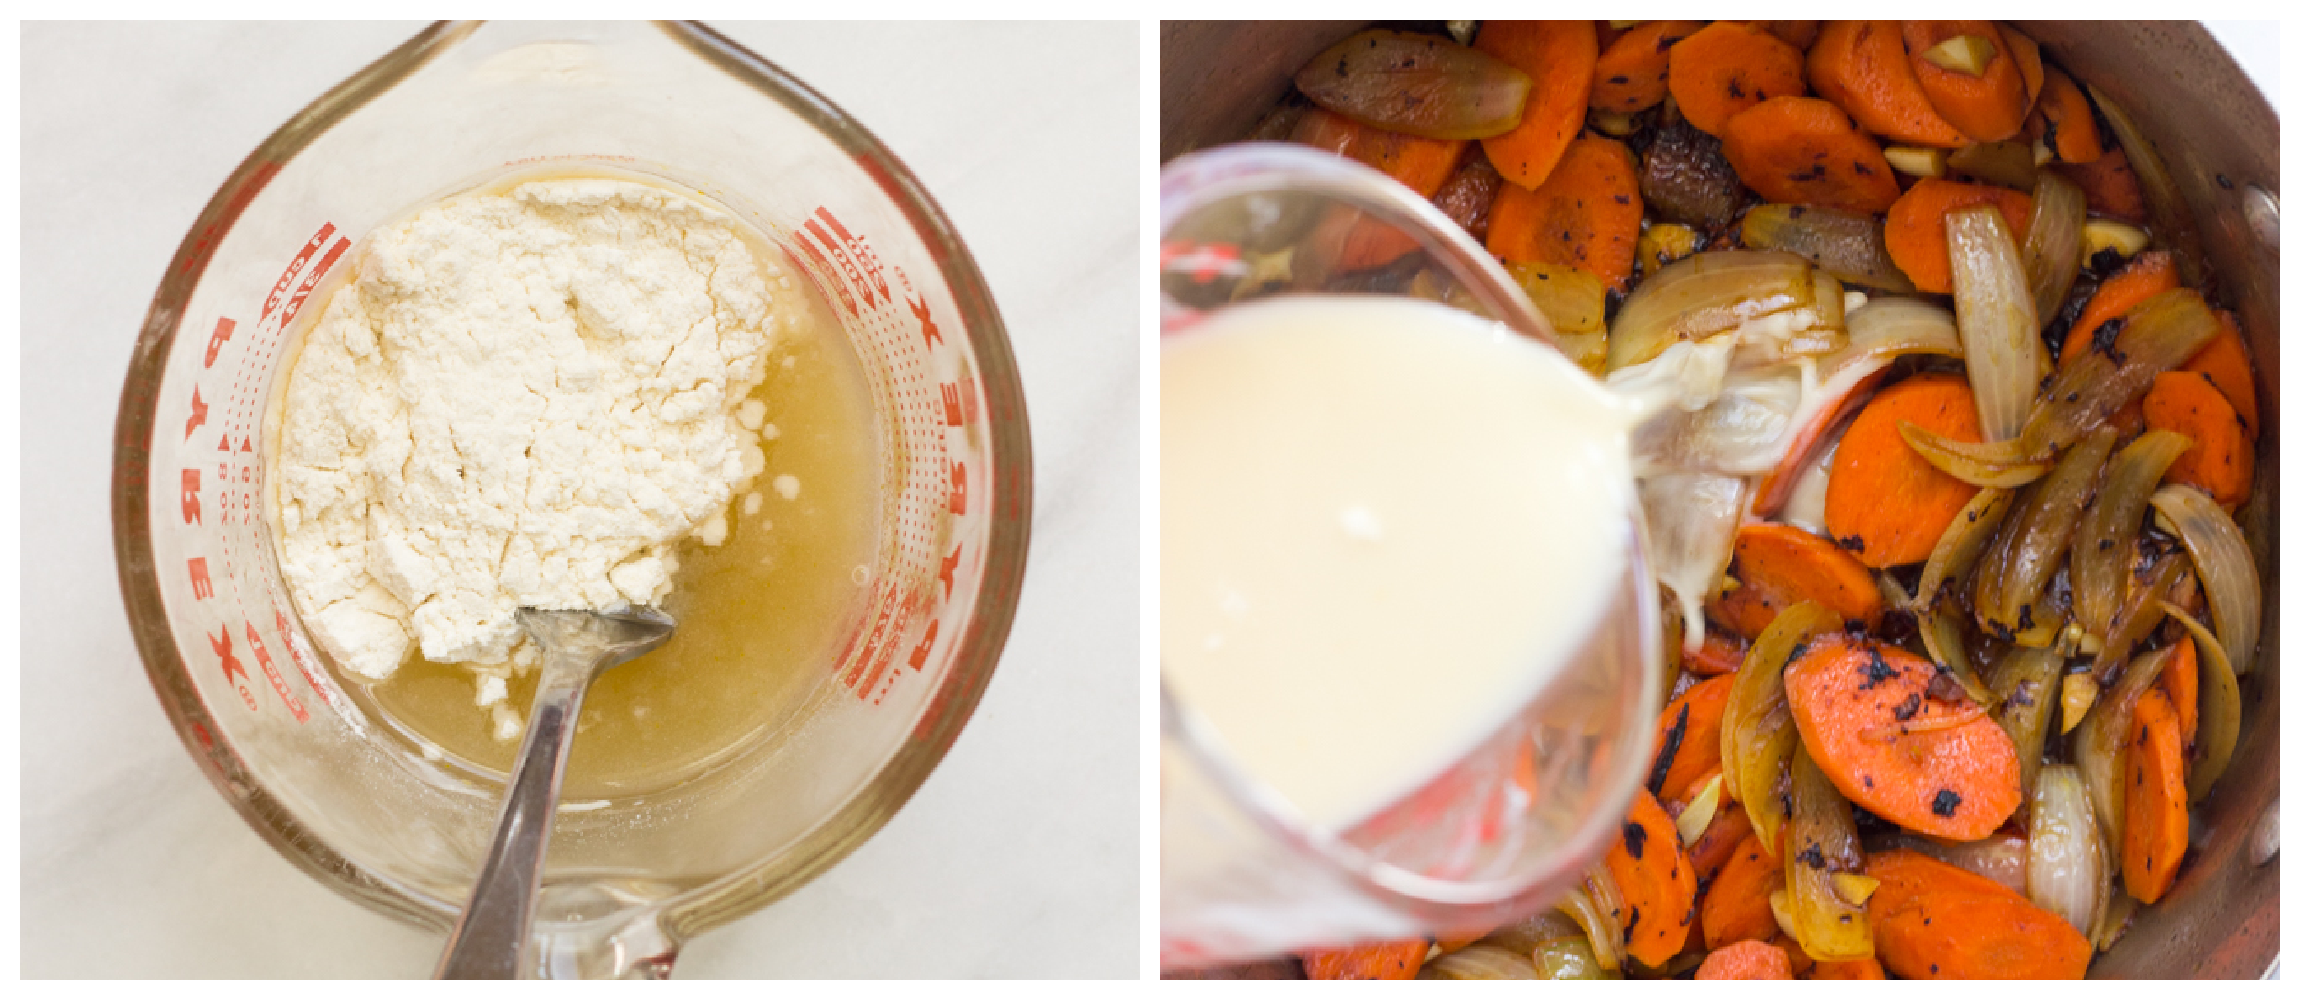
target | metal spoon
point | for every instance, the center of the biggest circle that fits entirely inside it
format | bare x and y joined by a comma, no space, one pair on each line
491,936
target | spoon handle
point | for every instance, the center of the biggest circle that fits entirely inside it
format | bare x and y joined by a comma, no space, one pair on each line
491,936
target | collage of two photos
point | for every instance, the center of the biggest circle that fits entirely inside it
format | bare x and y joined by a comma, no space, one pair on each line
1129,500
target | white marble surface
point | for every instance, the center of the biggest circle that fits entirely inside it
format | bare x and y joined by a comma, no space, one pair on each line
1019,856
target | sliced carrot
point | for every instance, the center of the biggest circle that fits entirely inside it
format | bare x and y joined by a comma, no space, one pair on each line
1986,108
1418,163
1859,968
1467,196
2144,278
2110,187
1633,73
1685,741
1727,68
1745,960
1780,566
1739,904
1825,426
1804,151
1388,960
2029,61
1916,229
1719,654
1710,851
1863,67
1586,215
1887,504
1561,57
2219,457
2063,119
1800,34
2228,364
2179,683
2155,800
1933,920
1799,962
1866,713
1656,882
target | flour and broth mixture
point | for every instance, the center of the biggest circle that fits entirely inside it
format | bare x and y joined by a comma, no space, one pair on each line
575,391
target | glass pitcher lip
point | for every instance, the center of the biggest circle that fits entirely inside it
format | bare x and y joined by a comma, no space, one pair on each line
978,644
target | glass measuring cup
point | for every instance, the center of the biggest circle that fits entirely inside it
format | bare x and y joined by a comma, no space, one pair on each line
1510,825
272,724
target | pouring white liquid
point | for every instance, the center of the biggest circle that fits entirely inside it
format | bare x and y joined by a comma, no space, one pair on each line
1385,525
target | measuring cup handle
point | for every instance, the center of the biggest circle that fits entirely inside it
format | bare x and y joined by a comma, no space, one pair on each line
491,937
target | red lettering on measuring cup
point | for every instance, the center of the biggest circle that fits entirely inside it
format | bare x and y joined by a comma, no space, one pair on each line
877,650
218,339
957,486
287,277
311,280
950,571
925,323
847,268
202,587
845,300
223,648
191,496
866,261
272,674
925,644
199,414
953,411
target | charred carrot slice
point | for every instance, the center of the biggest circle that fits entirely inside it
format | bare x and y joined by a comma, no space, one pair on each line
2228,364
1561,57
2179,684
1738,906
1745,960
1719,654
2110,187
1710,852
1933,920
2155,800
1803,150
1467,196
1863,67
1799,34
1633,72
1780,566
1727,68
1584,216
1986,108
1859,968
2029,61
1916,229
1656,882
1685,744
2063,120
1866,714
2147,276
1887,504
2219,460
1387,960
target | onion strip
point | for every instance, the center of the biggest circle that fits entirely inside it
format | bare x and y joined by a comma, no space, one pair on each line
2168,214
1480,961
2219,707
2231,581
2103,740
1961,462
1966,538
1757,731
2035,545
2139,616
2027,686
1823,844
2067,863
2004,357
2159,335
2055,241
1705,295
2101,556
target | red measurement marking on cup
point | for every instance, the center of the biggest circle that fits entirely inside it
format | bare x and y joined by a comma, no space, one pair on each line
926,327
202,587
235,673
218,339
272,674
287,276
957,473
1203,262
199,414
191,496
311,281
303,661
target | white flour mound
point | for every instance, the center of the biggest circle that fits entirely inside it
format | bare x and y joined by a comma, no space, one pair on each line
521,398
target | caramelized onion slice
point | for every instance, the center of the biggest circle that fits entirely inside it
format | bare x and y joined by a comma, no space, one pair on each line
2223,562
1757,732
2027,686
1963,542
2004,357
1958,459
1417,84
2037,542
2055,243
1822,843
2101,557
1851,247
2219,707
1705,295
2067,860
2102,741
2158,336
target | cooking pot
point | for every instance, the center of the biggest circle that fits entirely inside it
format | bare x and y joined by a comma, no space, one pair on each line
2219,137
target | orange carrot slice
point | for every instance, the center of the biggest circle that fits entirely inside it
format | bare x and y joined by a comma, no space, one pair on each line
2110,187
2147,276
1933,920
1916,229
1656,882
2029,61
1586,215
1986,108
1780,566
1865,712
2219,461
1799,34
1418,163
1745,960
2063,119
2178,680
1727,68
1710,851
1685,741
1804,151
1738,906
1388,960
1859,968
1561,57
1863,67
1719,654
2155,800
1887,504
1633,73
2228,364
